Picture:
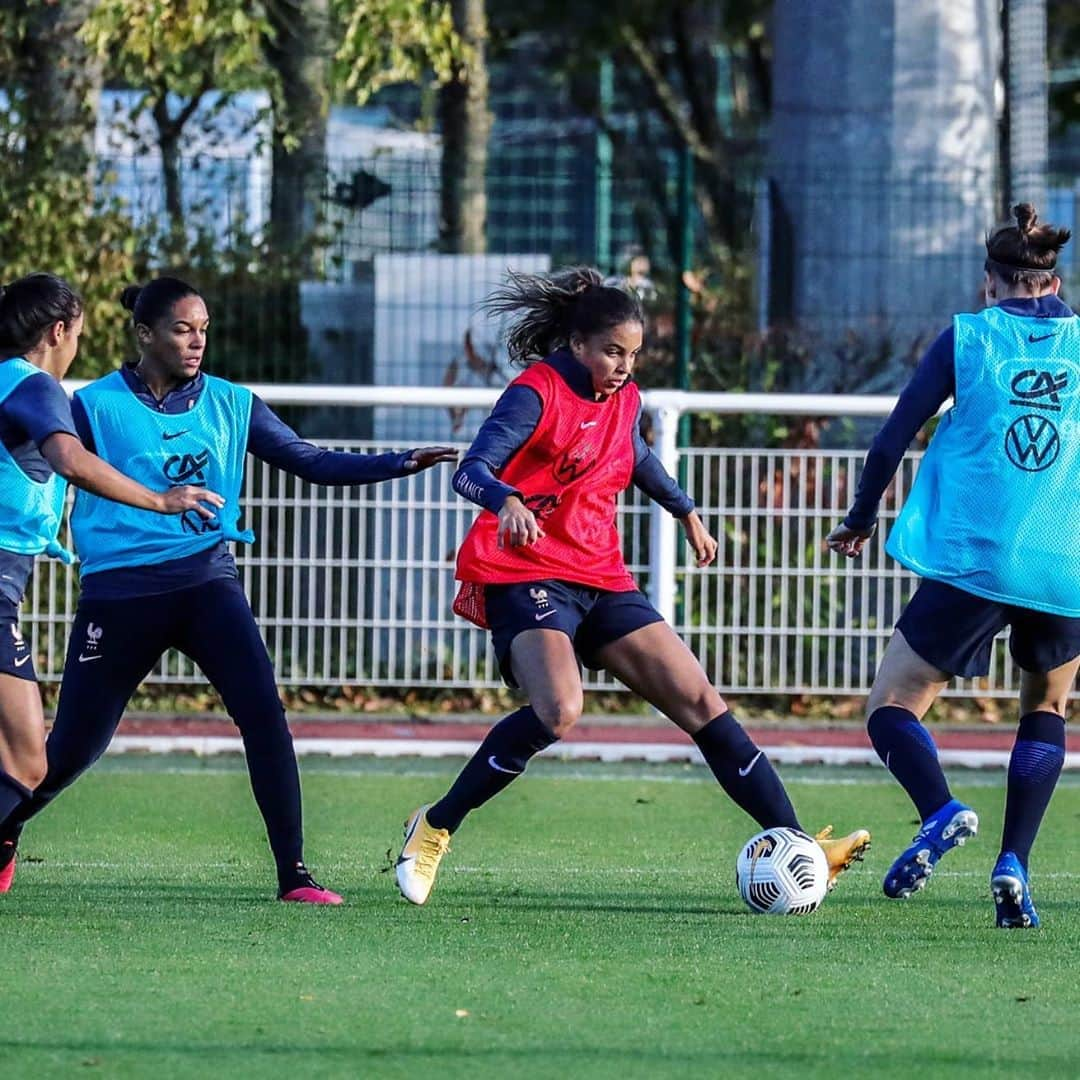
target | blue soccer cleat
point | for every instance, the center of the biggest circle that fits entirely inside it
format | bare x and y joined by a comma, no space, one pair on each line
1012,894
942,831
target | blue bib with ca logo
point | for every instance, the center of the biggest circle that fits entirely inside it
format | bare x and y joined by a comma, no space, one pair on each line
31,511
995,507
204,446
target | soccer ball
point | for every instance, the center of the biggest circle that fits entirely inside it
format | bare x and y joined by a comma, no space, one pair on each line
782,872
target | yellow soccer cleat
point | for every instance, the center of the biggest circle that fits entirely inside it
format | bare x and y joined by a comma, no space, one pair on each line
420,856
843,851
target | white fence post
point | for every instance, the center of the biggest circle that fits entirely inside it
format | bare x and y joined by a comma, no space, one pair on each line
663,550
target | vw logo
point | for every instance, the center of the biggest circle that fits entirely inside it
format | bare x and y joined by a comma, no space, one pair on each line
1032,443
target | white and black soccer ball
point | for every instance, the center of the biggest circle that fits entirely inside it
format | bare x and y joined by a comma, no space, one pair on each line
782,872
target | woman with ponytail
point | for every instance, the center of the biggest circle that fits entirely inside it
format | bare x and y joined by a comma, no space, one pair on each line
41,318
174,584
542,565
992,525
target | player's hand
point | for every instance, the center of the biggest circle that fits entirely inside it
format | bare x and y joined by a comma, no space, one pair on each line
178,500
426,456
697,536
849,542
518,526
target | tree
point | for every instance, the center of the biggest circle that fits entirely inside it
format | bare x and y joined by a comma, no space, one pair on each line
51,219
465,122
390,41
297,48
61,82
671,86
176,53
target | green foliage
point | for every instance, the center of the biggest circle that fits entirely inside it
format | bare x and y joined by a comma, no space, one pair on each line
51,221
392,41
93,247
182,47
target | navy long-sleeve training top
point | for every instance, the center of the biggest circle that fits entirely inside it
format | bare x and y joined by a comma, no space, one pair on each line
512,422
933,383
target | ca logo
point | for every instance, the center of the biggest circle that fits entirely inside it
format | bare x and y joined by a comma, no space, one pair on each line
181,468
1032,443
1041,389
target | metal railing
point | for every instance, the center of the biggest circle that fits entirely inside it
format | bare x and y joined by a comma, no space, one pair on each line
354,585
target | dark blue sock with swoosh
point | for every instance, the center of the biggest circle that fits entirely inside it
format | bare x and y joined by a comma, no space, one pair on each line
1034,768
908,752
502,757
745,773
12,794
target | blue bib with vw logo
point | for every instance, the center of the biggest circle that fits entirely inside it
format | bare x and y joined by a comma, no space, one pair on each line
204,446
995,507
30,511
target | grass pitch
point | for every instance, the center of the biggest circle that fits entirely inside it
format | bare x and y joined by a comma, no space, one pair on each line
585,924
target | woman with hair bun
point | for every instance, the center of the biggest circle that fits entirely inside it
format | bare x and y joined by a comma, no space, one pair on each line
173,583
992,525
542,565
41,319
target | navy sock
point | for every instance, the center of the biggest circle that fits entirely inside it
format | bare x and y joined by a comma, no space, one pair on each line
1034,768
12,794
909,753
502,757
745,773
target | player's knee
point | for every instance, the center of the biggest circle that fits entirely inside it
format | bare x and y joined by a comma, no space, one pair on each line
29,769
560,714
701,706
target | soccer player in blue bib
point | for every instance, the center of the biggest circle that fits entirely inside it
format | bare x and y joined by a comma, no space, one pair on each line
41,318
150,583
992,525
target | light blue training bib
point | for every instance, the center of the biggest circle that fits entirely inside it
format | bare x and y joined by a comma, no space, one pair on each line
995,507
204,446
31,511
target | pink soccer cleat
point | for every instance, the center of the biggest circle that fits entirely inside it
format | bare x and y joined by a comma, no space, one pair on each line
304,889
7,865
312,894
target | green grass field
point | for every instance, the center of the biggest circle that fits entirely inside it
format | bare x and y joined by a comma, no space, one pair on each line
585,924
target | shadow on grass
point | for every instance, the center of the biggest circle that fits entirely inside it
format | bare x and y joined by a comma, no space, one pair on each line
443,1055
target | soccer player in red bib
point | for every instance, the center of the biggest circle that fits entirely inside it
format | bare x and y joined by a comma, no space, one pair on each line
542,565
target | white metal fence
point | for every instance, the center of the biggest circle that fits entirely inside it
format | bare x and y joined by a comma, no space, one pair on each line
354,585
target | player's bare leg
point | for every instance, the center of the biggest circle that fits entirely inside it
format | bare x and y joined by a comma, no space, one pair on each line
656,663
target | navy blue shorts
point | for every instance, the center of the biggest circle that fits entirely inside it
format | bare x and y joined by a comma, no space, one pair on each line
955,630
15,656
590,618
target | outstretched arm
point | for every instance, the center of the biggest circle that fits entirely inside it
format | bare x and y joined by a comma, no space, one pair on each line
933,383
272,440
505,431
78,466
39,406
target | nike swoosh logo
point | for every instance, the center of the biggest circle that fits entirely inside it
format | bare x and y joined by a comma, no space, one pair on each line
753,762
19,663
589,423
175,435
498,768
403,858
540,618
87,659
1042,337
